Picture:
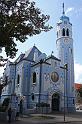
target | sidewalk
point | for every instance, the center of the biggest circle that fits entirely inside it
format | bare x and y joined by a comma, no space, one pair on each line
53,118
49,119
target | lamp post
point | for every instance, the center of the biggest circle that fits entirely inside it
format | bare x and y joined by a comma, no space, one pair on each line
65,81
40,80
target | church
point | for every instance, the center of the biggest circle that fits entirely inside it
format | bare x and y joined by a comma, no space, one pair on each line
35,77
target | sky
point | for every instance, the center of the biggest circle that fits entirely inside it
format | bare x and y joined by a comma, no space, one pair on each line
46,41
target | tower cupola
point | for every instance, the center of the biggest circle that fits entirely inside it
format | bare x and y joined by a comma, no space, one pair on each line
64,17
64,27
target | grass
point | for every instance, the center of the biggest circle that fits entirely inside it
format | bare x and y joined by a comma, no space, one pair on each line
42,117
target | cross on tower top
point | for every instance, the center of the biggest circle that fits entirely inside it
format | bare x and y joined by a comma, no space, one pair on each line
63,9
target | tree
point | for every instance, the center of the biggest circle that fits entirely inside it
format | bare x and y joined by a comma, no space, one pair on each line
1,87
80,91
79,95
3,84
19,19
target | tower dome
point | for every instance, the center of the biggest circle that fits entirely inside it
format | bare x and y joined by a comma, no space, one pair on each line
64,17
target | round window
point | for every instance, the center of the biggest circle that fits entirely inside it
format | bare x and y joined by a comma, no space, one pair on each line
54,76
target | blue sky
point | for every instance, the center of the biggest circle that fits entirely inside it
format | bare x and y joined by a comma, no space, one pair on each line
46,42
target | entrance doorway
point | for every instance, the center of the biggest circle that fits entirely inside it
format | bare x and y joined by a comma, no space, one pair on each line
55,102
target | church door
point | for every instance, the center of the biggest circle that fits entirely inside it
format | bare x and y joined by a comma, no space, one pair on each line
55,102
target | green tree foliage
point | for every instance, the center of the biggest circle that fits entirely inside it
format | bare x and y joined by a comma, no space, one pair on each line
19,19
4,105
3,85
6,102
80,91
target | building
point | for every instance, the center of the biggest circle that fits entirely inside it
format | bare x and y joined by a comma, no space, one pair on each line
35,78
78,87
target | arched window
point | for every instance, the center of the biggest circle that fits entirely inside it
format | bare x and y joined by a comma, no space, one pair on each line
63,32
32,96
73,101
18,79
71,51
67,32
57,34
34,77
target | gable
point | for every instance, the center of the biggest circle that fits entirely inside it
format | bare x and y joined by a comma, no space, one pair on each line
28,55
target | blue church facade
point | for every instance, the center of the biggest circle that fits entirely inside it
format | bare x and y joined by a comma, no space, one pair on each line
35,77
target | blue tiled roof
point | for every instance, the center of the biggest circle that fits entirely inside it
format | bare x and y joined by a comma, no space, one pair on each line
52,57
64,17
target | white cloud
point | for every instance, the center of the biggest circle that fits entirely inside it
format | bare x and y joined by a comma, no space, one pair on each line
78,12
75,11
78,73
69,10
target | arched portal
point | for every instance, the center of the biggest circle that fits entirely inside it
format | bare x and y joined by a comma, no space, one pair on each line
55,102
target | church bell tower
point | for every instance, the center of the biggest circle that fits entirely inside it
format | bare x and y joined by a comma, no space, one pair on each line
64,44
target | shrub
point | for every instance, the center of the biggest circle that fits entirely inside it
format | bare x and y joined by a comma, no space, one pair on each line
4,105
3,108
42,104
6,102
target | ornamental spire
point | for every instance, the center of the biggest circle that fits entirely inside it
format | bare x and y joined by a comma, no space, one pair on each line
63,9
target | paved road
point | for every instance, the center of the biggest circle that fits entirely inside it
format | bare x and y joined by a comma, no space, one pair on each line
51,119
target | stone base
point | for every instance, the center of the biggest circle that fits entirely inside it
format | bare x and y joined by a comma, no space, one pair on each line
43,110
71,109
3,116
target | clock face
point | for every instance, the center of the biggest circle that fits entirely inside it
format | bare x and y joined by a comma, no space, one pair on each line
54,76
65,40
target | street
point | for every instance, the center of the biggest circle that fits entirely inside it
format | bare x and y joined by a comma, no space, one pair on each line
75,118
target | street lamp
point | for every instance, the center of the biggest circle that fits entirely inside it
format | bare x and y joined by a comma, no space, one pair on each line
65,81
40,79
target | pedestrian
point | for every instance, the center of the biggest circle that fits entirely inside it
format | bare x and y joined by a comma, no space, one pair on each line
21,108
9,114
17,112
